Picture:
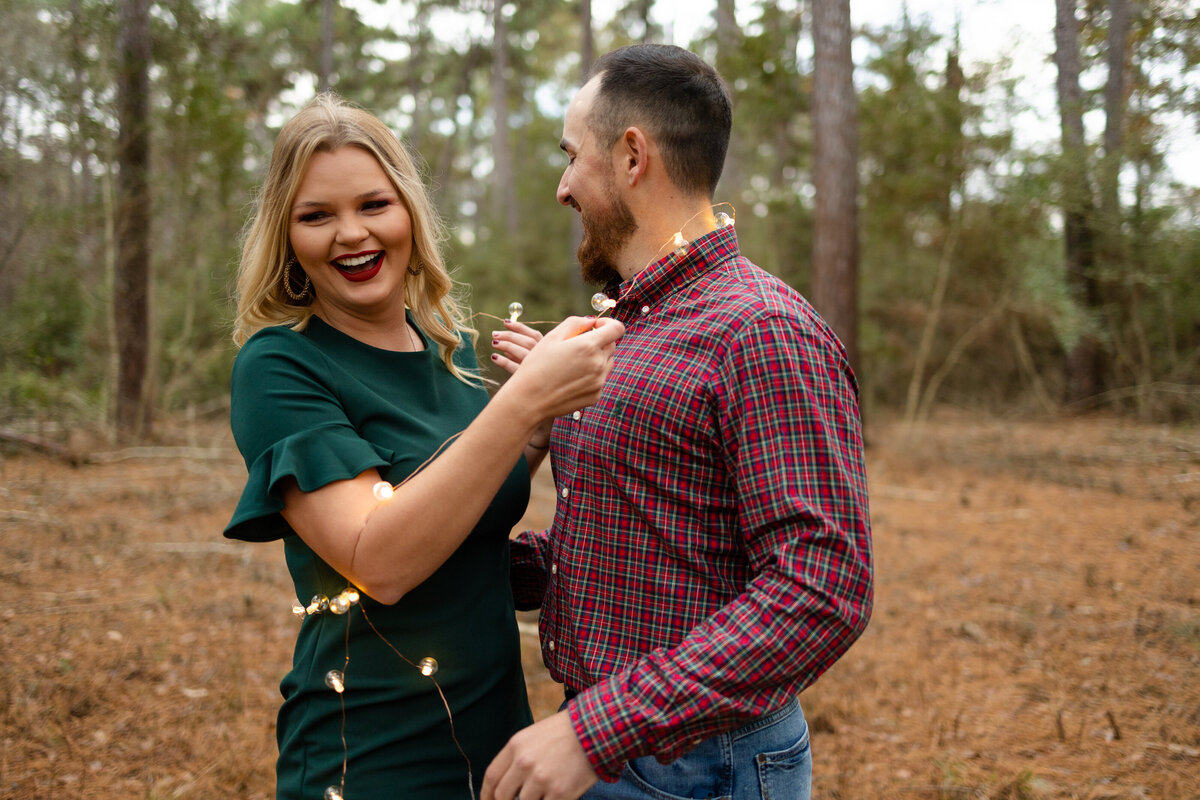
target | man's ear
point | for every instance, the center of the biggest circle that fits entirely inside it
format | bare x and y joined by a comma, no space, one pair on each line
634,154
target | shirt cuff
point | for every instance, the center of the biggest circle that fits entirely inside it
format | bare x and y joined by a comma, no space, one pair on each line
605,736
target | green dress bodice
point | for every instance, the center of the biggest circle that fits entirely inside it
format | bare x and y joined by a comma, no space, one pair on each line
319,406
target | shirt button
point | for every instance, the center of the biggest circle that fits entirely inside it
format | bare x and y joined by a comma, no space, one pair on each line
554,569
550,645
565,492
577,415
645,309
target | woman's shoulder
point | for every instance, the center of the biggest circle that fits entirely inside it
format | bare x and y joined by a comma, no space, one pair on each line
273,342
274,337
277,351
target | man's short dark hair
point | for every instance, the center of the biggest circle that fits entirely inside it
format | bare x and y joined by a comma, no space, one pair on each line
679,99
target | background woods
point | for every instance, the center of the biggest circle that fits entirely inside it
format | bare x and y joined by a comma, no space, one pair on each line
982,269
1035,633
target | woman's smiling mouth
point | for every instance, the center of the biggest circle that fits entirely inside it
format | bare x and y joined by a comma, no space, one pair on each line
359,266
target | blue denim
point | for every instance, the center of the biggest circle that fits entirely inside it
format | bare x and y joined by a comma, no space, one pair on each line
768,759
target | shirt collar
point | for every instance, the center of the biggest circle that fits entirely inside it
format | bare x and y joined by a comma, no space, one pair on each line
673,272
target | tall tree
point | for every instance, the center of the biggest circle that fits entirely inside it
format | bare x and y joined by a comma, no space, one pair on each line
729,47
325,73
504,197
835,173
131,292
1114,126
587,39
1082,368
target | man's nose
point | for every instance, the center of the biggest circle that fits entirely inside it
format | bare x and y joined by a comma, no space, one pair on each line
564,191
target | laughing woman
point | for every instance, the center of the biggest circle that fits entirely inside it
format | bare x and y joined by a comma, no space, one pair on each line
356,369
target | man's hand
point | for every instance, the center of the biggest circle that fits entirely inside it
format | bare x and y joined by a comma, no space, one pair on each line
543,762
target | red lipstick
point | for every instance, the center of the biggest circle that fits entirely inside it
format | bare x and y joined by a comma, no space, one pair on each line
358,274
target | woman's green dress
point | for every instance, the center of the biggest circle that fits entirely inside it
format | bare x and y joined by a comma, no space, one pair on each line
320,406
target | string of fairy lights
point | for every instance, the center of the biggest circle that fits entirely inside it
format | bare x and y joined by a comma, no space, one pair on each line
344,602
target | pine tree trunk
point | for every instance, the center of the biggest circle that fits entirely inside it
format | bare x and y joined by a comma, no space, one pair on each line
324,79
504,196
835,156
1114,126
1082,365
729,42
131,293
587,40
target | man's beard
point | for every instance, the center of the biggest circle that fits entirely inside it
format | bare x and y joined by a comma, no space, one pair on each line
605,233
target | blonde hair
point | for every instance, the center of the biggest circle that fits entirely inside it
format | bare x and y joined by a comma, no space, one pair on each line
328,123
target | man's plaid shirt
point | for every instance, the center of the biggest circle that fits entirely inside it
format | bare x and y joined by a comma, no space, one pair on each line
710,554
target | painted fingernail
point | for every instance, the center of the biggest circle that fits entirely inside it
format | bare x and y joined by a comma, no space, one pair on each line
495,357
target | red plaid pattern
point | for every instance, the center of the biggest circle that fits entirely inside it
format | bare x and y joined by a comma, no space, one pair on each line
710,555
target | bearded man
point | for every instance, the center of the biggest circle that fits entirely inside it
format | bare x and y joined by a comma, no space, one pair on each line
710,554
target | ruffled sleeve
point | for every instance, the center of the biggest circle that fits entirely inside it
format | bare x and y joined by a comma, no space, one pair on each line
288,422
314,458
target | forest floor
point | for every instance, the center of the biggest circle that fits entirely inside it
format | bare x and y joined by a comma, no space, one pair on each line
1036,631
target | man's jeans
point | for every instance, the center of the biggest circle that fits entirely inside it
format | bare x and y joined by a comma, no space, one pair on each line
769,759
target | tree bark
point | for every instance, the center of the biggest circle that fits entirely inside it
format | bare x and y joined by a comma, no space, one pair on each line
729,43
131,292
1114,127
587,40
504,196
325,78
835,156
1082,365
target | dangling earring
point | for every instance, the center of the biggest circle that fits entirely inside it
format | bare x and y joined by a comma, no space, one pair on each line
415,271
287,282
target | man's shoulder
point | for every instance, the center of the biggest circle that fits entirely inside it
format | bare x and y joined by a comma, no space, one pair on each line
749,293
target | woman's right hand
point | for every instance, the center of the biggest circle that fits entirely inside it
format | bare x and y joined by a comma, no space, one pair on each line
565,369
513,343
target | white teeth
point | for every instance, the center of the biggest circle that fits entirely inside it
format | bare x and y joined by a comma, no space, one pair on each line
357,261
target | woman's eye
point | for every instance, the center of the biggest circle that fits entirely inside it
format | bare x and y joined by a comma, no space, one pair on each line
372,205
312,216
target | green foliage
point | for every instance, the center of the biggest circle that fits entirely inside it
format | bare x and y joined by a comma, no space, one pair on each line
946,198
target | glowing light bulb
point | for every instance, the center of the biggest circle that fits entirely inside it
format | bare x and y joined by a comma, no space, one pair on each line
333,793
724,220
680,244
318,604
383,490
428,666
515,310
602,302
343,601
299,610
334,680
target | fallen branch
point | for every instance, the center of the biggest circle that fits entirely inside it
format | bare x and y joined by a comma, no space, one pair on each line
186,453
1126,392
39,444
